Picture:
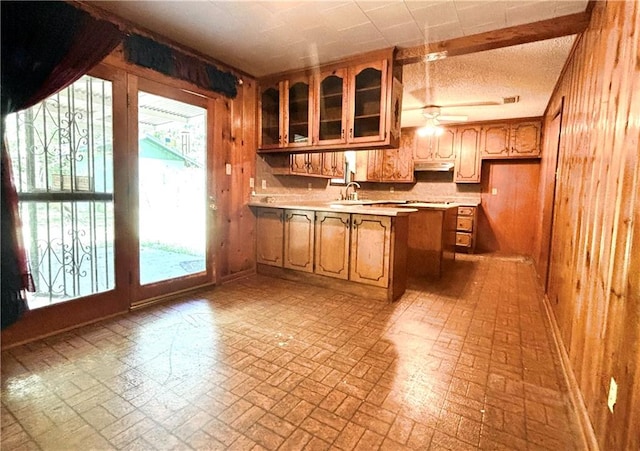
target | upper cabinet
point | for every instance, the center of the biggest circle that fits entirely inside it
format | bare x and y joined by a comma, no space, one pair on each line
352,104
387,165
511,140
271,120
467,163
366,99
331,107
299,107
286,108
434,148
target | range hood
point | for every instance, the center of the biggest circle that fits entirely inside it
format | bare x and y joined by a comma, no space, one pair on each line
434,166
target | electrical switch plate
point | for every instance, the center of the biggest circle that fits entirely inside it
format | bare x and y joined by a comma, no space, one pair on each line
252,182
309,186
391,189
264,184
613,394
227,168
494,191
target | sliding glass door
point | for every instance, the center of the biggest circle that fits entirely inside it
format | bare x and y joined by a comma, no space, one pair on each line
114,192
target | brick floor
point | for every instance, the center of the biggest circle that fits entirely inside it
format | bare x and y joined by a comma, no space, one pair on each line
261,363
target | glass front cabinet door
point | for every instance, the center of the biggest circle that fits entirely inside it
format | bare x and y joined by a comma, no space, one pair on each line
367,98
331,107
271,119
299,107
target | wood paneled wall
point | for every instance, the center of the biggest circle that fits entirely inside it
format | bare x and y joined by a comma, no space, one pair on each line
594,271
234,237
507,219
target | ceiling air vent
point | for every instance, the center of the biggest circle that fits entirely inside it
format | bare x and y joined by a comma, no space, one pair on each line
513,99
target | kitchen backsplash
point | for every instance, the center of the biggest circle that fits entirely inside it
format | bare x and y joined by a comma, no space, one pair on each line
434,186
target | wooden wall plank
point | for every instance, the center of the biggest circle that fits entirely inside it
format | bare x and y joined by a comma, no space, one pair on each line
593,283
507,221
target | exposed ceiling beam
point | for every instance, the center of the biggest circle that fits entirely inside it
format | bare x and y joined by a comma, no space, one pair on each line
505,37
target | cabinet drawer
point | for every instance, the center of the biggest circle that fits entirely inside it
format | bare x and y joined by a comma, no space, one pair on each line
465,224
466,211
463,239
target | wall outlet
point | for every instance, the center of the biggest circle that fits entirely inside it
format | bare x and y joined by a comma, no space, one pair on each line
391,189
252,182
494,191
309,186
264,184
227,168
613,394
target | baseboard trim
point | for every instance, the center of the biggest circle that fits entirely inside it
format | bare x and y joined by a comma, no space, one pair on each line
587,433
238,275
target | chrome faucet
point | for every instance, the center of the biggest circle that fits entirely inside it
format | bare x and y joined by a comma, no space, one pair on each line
354,195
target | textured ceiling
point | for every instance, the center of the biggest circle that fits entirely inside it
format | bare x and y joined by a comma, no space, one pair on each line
265,37
529,71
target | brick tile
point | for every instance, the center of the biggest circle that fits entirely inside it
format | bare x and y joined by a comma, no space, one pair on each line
401,430
296,441
369,440
264,437
277,425
350,436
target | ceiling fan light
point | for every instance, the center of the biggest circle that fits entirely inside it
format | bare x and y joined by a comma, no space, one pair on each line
430,130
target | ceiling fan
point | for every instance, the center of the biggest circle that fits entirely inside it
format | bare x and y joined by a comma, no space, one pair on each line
434,116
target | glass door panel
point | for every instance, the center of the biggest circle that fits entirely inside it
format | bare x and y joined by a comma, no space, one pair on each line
172,189
299,126
367,103
331,108
62,158
270,117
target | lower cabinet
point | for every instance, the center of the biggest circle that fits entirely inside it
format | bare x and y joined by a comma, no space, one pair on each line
370,249
298,240
269,236
332,244
466,228
363,248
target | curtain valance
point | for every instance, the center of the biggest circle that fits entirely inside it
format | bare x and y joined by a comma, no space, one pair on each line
148,53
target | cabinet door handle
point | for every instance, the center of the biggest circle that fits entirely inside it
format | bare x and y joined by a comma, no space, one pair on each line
350,133
285,139
343,133
280,139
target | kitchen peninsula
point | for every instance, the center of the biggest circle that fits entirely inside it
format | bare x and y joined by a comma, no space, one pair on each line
359,247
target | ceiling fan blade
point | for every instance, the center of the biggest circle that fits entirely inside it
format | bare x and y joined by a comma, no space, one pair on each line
470,104
452,118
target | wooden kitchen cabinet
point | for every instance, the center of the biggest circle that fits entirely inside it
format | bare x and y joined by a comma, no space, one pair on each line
511,140
351,104
466,228
387,165
269,236
335,249
286,109
370,249
271,115
328,164
331,107
333,164
434,148
332,238
307,164
299,240
467,160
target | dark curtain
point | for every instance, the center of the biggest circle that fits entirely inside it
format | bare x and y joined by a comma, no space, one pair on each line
46,46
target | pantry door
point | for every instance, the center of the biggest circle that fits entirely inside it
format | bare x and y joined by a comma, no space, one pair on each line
171,193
